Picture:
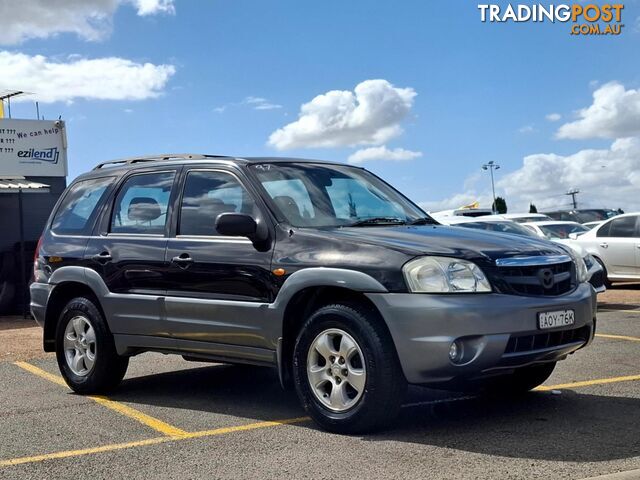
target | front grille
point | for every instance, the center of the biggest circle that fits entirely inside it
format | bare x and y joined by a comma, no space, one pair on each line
538,341
527,279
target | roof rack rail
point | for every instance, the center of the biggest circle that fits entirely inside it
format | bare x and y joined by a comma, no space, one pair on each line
154,158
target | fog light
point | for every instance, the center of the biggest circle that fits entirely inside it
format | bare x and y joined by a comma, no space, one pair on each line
456,351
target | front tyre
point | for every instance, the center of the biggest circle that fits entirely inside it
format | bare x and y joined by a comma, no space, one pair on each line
85,350
346,372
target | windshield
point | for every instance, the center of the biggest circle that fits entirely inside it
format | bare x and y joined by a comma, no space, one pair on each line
584,216
318,195
562,230
501,227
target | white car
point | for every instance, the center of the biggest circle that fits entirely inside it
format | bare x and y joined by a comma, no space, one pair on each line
615,244
556,229
521,217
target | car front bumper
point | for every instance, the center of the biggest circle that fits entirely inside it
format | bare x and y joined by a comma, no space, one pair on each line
423,326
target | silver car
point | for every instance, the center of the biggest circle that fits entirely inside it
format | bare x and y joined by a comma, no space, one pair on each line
615,244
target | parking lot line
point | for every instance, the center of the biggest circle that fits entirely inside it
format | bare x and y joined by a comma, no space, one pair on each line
617,311
149,421
618,337
149,441
587,383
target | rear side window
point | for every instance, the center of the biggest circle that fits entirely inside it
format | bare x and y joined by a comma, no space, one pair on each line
77,210
206,195
141,204
624,227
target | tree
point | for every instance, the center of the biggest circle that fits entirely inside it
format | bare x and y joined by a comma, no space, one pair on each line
532,208
500,206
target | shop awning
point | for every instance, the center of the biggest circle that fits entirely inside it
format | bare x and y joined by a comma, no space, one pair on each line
14,184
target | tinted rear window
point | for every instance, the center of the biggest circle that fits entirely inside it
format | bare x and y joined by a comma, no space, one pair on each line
77,211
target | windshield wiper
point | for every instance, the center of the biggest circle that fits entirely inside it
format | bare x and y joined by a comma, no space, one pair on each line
378,221
423,221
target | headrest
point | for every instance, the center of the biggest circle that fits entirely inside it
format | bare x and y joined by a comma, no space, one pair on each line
144,209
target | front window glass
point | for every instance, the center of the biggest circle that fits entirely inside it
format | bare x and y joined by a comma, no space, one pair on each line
562,230
208,194
624,227
317,195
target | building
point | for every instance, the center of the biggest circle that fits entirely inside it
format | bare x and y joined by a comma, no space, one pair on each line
33,170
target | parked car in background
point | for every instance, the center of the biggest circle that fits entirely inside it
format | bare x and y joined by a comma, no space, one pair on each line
615,244
490,223
320,270
556,230
522,217
591,225
583,215
462,212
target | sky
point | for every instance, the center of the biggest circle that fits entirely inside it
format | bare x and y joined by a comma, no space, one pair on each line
421,93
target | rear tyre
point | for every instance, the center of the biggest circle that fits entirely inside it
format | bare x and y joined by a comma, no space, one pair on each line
346,372
522,380
607,282
85,349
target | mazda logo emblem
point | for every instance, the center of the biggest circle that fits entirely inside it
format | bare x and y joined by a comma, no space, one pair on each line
546,278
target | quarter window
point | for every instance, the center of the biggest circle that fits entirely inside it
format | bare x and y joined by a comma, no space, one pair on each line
206,195
142,203
77,210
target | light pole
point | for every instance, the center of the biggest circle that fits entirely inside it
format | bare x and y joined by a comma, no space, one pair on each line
491,166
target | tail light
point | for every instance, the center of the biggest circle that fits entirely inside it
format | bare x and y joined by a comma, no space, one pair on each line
36,255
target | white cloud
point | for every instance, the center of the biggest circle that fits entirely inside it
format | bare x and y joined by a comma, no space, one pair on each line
259,103
88,19
370,115
153,7
553,117
109,78
614,113
382,153
526,129
606,178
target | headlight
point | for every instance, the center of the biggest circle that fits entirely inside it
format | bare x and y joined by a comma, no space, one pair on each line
581,267
444,275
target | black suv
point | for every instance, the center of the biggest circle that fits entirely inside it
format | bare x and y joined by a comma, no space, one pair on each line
319,269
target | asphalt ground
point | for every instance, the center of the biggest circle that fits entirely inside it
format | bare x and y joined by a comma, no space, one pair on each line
175,419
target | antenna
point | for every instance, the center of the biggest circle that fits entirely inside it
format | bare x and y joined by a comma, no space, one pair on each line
8,95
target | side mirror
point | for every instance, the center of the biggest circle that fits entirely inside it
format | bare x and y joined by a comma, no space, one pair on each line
236,225
573,236
242,225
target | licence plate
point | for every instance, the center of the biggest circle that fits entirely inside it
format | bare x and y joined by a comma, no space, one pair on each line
557,318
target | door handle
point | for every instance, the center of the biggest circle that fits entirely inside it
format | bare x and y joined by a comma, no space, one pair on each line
183,260
103,257
604,245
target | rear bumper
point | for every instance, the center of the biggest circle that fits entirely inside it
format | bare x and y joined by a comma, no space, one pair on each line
38,304
423,327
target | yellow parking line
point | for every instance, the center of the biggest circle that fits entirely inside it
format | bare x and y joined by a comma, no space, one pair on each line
121,408
149,441
618,337
587,383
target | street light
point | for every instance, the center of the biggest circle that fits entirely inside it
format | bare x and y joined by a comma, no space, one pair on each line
491,166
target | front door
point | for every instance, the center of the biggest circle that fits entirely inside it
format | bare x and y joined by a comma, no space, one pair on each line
219,285
617,245
129,253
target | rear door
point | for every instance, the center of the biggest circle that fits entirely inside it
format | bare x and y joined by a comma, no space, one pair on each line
129,252
617,245
218,284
